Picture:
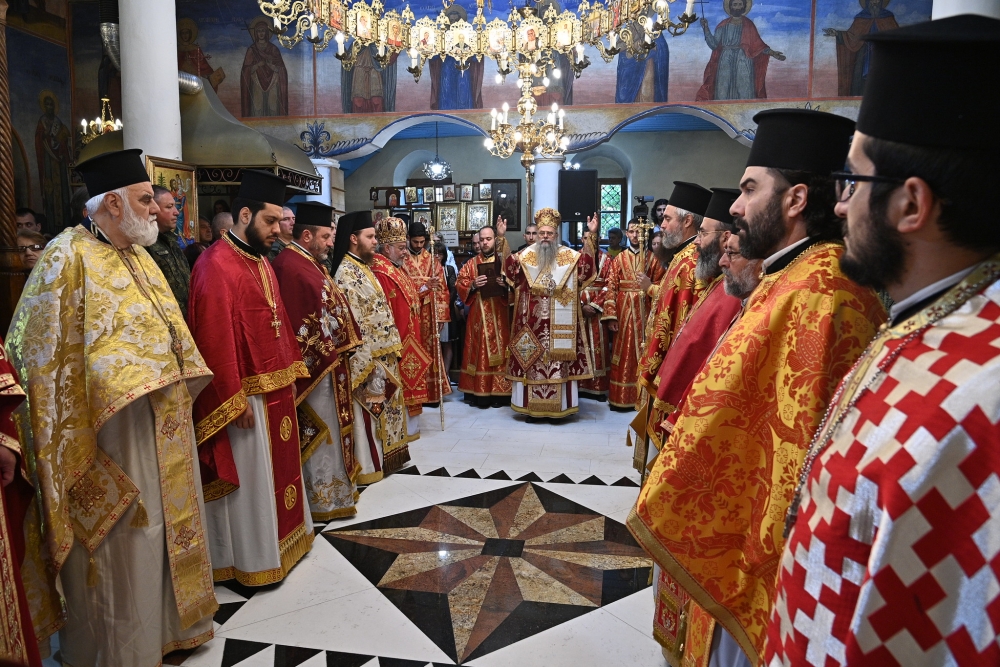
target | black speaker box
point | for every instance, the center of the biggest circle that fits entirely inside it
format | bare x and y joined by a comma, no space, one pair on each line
578,194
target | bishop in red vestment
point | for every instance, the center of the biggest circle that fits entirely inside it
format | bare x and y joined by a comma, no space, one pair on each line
325,331
894,528
428,275
405,302
245,422
487,329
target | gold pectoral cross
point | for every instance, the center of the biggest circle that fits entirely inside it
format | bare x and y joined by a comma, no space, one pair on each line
176,346
276,324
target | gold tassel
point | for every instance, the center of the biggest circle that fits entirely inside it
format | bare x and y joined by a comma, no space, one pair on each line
628,438
92,573
140,519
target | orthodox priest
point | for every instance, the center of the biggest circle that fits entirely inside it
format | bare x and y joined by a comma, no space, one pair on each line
380,436
108,420
428,275
248,437
893,510
549,351
326,332
712,512
404,301
626,307
592,306
487,327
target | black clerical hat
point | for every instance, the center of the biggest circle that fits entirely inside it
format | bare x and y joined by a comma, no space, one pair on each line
314,214
114,170
690,196
722,200
935,84
263,186
416,229
801,140
349,223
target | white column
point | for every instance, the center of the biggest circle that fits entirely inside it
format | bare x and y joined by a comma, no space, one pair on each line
545,193
944,8
333,184
151,110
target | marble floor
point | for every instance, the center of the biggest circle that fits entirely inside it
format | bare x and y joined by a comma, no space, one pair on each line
503,544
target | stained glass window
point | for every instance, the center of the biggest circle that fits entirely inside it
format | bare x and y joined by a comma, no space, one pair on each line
612,204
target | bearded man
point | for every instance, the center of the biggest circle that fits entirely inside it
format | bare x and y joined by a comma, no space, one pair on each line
487,328
428,275
380,423
108,419
549,351
404,300
893,510
248,439
626,307
325,331
712,511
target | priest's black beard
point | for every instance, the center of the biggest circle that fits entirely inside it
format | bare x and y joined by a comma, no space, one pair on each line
759,237
874,257
708,267
256,239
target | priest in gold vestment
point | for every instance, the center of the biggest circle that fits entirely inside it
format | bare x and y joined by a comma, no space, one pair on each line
712,512
111,371
380,432
549,351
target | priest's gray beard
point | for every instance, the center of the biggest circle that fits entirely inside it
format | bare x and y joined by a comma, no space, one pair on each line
708,267
136,230
547,251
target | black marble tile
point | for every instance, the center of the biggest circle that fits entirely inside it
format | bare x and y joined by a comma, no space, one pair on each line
226,611
507,548
553,502
499,474
617,532
409,470
399,662
339,659
561,479
440,472
530,477
429,612
470,474
237,650
594,480
292,656
619,584
528,619
371,562
246,591
484,500
625,481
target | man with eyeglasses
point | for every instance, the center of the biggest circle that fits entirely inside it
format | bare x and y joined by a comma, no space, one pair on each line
713,511
894,528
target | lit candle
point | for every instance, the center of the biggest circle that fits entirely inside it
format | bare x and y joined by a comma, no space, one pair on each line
277,23
551,118
506,109
340,43
555,107
313,30
562,114
493,116
579,52
613,39
689,10
83,124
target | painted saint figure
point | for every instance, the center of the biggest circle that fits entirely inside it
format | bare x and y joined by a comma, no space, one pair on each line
645,79
54,152
738,67
853,53
369,87
190,57
452,88
263,78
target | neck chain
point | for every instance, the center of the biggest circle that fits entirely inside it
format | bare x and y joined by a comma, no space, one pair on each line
264,282
175,342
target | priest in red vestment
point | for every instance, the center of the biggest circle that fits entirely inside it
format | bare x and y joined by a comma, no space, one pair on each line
549,352
487,328
325,331
17,636
404,300
626,307
248,437
592,301
428,275
894,528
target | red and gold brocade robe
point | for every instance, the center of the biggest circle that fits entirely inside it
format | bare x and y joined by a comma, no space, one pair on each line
434,308
600,342
487,332
626,303
712,511
234,326
549,346
892,556
325,330
17,636
405,303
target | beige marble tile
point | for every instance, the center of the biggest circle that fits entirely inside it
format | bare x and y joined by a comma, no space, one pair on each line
465,601
589,531
528,512
418,534
407,565
477,518
597,561
536,586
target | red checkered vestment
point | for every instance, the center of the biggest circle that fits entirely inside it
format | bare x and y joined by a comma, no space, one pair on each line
895,555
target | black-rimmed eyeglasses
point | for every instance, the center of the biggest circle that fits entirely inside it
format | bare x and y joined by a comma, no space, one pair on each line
846,181
26,248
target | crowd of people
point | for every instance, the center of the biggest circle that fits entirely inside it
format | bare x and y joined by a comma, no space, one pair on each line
819,474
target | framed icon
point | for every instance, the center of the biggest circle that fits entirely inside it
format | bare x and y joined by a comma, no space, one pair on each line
478,215
379,214
506,197
449,217
484,192
179,178
465,193
392,198
429,196
449,193
411,196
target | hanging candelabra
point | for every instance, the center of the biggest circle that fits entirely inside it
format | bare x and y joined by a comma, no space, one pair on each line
90,130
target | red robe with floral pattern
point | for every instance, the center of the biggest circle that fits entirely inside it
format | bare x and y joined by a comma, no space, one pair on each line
434,308
487,332
404,301
893,556
600,340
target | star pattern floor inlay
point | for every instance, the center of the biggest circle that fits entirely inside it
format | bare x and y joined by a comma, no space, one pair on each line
482,572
